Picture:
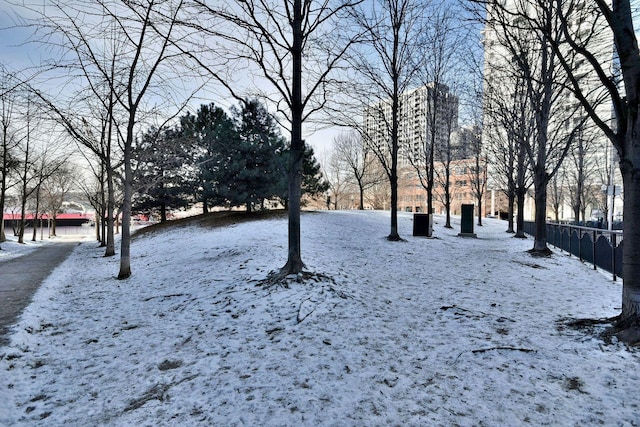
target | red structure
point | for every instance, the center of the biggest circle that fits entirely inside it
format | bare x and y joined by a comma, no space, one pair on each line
62,220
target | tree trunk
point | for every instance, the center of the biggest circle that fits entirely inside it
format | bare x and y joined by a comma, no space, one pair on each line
520,217
630,316
480,211
393,178
21,226
125,242
447,197
448,216
103,222
631,257
100,209
35,218
111,246
163,212
430,178
540,238
3,185
511,203
395,128
294,263
394,235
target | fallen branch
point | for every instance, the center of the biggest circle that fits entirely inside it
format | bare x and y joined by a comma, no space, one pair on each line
164,297
484,350
157,392
475,313
300,317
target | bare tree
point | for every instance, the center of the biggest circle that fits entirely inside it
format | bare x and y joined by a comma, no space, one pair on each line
440,141
26,167
293,47
477,171
334,171
10,139
584,37
38,161
557,194
46,164
385,68
582,170
93,188
55,189
508,129
441,42
135,60
538,63
97,133
359,161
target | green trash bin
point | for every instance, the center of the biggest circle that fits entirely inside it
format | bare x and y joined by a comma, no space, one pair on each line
466,222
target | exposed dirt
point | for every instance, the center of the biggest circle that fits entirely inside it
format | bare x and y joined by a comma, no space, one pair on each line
213,220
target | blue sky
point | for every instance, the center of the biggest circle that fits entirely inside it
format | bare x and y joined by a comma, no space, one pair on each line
15,53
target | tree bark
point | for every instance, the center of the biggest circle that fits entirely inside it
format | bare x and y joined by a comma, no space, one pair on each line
511,204
540,196
520,194
111,246
163,211
630,257
3,181
125,243
294,263
447,192
35,217
110,249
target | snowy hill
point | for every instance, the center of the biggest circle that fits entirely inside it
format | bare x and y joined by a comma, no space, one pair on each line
446,331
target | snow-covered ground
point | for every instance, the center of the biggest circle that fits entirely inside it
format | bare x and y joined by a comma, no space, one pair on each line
446,331
12,249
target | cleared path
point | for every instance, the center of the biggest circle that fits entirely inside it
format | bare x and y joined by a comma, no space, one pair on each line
21,277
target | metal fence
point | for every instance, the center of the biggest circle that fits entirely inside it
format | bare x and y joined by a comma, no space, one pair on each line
601,248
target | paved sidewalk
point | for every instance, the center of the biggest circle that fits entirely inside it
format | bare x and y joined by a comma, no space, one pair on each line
21,277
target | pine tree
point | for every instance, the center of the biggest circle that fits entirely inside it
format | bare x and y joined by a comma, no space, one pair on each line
159,178
213,134
254,167
313,183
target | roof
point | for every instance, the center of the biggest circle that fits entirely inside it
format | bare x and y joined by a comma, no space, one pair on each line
8,216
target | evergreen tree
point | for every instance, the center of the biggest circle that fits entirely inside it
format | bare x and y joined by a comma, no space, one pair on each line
213,134
243,161
254,167
313,183
159,177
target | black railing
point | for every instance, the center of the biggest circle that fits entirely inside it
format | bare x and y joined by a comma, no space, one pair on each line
602,248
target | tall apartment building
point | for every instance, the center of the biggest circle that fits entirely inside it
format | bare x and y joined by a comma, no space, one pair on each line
591,152
416,121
